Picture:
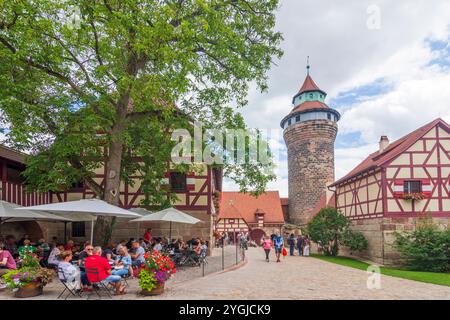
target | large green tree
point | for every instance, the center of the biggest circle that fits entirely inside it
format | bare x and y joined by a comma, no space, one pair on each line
133,70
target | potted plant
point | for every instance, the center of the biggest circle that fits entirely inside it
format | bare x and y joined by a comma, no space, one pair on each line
29,279
155,271
413,196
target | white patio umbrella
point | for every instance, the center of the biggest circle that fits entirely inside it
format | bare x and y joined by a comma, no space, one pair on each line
170,215
142,212
84,210
8,213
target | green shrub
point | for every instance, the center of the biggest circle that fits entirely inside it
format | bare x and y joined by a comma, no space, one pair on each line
325,228
355,241
329,228
426,248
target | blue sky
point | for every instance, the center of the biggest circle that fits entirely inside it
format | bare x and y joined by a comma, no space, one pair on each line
384,81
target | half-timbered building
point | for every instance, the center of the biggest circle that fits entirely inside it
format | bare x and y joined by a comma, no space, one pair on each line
243,212
393,187
195,193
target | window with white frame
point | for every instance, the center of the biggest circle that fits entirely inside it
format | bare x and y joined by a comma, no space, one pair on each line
412,186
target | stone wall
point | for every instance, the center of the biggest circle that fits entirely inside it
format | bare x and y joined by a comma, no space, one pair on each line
310,165
380,234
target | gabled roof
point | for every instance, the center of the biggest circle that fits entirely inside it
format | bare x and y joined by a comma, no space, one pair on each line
377,159
243,205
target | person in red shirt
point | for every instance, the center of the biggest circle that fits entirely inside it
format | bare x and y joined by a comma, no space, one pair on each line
96,261
148,235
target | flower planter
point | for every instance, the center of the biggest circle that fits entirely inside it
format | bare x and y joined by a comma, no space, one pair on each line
29,290
155,292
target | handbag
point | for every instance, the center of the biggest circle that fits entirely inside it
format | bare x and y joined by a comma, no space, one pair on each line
284,252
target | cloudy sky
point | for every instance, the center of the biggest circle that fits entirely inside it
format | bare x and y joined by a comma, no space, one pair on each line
384,64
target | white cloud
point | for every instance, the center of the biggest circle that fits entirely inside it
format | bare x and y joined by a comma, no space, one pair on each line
345,55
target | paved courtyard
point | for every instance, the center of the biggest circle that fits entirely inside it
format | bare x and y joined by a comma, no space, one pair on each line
293,278
300,278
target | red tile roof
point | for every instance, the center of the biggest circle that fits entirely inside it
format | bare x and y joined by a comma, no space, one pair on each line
377,159
308,105
11,154
244,205
284,201
308,85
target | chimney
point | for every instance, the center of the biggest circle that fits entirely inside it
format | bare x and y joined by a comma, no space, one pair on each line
384,142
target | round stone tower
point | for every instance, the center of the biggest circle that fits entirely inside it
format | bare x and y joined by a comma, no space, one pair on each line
309,132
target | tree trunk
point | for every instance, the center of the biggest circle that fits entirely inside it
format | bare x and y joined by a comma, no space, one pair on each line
104,225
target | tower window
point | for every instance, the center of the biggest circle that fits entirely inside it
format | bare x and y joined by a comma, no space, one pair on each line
289,122
297,119
329,116
311,95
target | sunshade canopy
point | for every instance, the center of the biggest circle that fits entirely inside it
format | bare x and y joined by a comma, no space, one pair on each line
9,212
170,215
94,207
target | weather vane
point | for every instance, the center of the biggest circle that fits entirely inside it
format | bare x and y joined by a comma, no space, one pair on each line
307,65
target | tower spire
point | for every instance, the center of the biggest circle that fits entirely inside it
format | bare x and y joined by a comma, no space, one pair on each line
307,65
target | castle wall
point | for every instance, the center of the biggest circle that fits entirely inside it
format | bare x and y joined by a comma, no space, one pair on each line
310,165
380,234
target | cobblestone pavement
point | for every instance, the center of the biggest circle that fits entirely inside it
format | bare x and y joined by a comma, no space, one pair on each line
293,278
300,278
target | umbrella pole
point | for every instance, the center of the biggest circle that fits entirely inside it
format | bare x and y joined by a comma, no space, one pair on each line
137,231
92,231
170,231
65,231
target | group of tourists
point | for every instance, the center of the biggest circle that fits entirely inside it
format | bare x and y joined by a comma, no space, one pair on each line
276,241
112,263
300,243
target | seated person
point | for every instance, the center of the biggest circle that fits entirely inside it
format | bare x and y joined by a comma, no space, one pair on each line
7,262
130,244
108,254
121,244
137,255
101,265
70,273
123,263
42,246
157,246
26,248
70,245
84,254
143,243
53,258
22,240
11,246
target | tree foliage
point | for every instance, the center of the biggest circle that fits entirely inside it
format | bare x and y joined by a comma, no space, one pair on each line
354,241
329,228
426,248
81,77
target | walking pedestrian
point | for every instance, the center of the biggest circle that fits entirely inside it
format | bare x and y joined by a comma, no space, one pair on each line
291,243
278,243
267,245
300,245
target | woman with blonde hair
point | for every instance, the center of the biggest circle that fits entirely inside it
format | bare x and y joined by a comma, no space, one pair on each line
122,265
67,272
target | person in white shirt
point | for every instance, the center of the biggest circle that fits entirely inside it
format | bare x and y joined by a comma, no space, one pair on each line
53,258
157,246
